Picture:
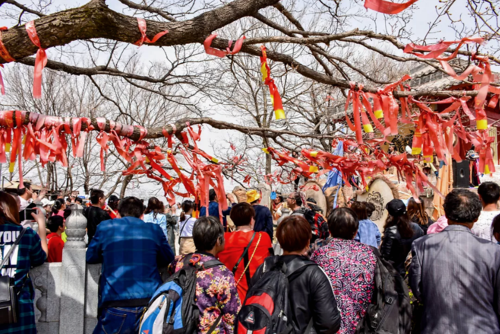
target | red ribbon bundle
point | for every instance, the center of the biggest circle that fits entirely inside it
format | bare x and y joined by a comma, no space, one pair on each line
283,157
384,104
481,73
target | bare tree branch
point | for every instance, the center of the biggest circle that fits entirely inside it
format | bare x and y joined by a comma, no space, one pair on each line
22,7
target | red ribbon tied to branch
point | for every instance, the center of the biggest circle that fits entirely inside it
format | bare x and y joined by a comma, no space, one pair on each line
6,56
40,61
222,53
438,49
273,90
144,39
387,7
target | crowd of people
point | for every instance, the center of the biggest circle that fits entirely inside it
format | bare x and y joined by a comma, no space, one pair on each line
332,265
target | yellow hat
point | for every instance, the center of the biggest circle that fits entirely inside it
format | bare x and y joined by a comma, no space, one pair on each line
252,195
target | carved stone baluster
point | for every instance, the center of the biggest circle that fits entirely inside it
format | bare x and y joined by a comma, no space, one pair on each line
39,279
76,224
73,274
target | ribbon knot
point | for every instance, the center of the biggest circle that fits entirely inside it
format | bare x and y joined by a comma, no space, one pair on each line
222,53
141,23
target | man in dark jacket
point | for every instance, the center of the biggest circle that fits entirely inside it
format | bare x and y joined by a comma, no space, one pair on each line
456,274
94,214
263,216
131,251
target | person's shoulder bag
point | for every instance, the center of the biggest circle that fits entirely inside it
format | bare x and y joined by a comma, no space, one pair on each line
8,296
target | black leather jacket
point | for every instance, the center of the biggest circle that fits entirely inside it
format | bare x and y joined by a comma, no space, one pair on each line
310,295
395,249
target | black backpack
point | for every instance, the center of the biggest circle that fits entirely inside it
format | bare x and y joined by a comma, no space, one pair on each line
319,226
390,311
266,305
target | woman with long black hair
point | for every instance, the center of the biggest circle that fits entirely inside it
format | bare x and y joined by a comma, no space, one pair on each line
399,234
30,252
418,215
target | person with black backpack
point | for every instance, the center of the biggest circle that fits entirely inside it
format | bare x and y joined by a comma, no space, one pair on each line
213,293
290,293
245,249
319,227
372,296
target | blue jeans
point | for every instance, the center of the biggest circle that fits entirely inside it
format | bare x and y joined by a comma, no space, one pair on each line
119,320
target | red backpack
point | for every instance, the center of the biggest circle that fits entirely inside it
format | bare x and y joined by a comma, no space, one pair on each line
266,306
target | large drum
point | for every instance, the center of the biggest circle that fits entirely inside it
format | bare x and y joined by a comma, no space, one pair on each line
380,192
313,190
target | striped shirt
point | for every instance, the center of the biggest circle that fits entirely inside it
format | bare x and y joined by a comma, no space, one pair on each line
28,254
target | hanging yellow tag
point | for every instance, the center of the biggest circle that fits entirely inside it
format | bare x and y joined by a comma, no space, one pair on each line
482,124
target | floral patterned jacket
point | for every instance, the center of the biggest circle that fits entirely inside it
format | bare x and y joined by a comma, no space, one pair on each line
215,292
350,265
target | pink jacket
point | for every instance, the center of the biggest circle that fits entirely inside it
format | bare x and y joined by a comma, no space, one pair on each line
438,226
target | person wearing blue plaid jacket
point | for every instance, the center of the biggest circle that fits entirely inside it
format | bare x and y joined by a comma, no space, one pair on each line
131,251
31,252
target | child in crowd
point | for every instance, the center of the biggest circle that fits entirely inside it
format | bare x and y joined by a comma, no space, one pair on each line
54,242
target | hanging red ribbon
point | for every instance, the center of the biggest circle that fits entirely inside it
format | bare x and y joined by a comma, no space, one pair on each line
387,7
40,61
6,56
273,90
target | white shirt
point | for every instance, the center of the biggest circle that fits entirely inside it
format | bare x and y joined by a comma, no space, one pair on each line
23,204
482,228
186,227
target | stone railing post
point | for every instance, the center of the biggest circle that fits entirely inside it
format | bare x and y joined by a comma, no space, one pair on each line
73,274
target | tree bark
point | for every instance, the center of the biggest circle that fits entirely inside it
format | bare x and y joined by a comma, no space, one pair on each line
125,183
96,20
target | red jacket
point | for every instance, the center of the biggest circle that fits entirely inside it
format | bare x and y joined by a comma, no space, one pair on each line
55,245
235,244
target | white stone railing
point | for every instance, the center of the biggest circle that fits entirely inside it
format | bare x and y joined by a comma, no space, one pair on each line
50,317
66,293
